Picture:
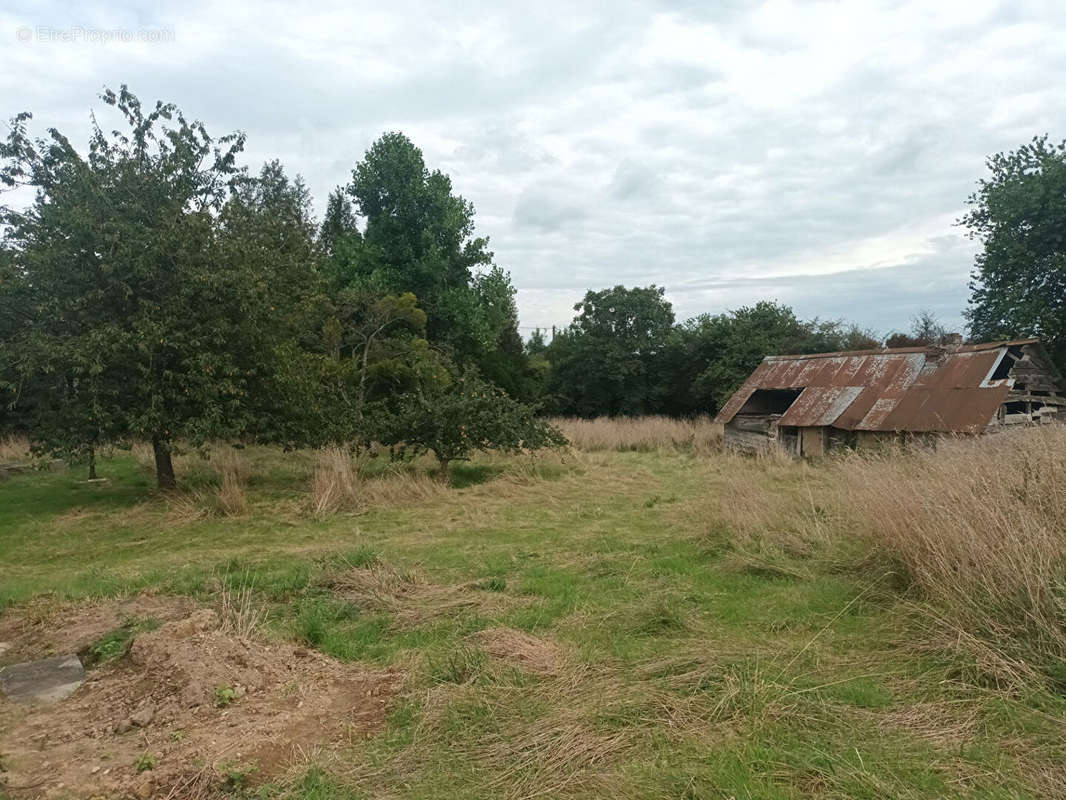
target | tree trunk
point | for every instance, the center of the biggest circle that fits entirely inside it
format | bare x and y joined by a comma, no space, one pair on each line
444,474
164,467
92,463
361,396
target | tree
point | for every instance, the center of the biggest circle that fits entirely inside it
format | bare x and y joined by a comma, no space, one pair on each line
925,330
1018,214
708,357
463,416
136,298
537,344
606,361
339,224
419,238
740,340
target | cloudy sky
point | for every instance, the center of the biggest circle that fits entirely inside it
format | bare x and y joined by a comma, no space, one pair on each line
814,153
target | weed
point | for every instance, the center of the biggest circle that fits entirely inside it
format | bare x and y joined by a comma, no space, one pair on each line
458,665
115,644
145,762
235,777
226,696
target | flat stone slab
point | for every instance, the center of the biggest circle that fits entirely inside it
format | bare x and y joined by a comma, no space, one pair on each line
44,681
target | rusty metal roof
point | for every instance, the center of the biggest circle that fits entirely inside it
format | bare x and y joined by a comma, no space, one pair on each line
932,389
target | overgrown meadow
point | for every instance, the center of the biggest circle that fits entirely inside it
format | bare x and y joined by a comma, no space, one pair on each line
638,615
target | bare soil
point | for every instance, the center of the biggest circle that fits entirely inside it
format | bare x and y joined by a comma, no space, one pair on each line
188,709
49,627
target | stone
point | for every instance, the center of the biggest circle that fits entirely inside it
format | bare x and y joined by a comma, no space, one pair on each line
142,717
123,726
145,787
44,681
4,647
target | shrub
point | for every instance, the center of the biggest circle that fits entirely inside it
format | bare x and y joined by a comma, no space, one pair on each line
465,416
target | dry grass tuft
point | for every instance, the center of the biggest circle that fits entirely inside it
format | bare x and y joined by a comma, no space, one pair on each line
337,485
645,434
530,653
399,487
191,506
410,599
233,476
239,615
334,482
978,527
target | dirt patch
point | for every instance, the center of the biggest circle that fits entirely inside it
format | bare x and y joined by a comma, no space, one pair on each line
411,600
520,649
188,709
49,627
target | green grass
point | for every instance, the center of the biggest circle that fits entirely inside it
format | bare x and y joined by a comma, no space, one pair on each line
697,662
115,644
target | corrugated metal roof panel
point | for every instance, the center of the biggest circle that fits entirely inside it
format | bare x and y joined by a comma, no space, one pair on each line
819,405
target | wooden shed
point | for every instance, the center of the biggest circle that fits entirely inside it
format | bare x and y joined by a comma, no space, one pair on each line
807,404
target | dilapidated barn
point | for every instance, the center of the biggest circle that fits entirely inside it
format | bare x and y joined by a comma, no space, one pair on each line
808,403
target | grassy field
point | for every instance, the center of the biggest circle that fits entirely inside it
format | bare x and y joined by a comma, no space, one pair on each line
642,618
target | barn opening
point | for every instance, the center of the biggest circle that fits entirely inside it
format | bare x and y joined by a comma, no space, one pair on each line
770,401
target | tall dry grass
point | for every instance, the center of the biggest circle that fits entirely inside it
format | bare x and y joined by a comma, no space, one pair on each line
334,481
14,450
978,528
645,434
233,475
338,485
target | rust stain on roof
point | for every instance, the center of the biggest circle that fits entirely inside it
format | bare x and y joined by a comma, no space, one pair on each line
905,389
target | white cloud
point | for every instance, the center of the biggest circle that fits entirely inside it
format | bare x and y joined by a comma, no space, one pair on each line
817,153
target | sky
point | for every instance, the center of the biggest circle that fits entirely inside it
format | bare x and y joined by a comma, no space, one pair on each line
818,154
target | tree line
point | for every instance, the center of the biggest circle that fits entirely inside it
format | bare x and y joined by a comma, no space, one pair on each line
154,289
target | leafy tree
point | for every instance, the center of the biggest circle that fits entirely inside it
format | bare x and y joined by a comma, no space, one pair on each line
708,357
503,361
466,415
366,321
339,224
1018,214
419,238
136,302
606,361
925,330
537,344
370,350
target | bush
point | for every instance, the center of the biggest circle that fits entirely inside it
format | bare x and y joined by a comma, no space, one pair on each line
465,416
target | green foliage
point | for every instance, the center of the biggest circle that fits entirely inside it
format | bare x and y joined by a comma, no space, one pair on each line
115,644
338,230
152,276
623,354
465,416
1018,214
606,362
419,236
145,762
226,696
